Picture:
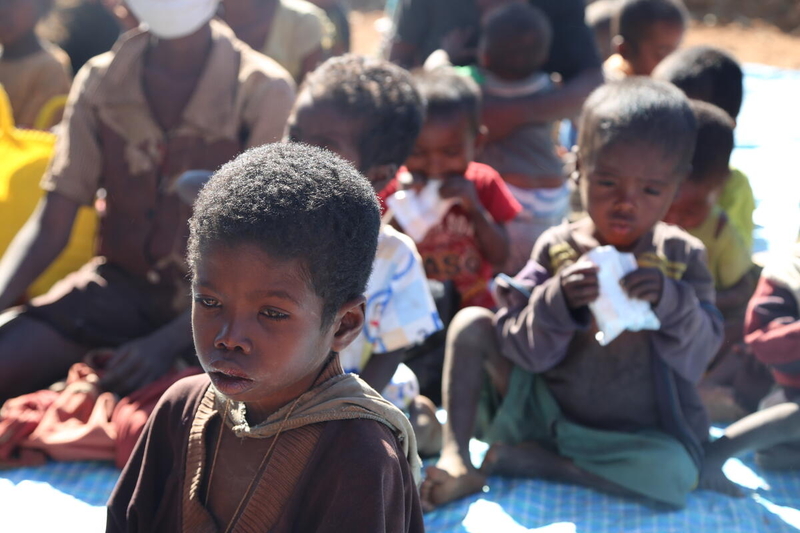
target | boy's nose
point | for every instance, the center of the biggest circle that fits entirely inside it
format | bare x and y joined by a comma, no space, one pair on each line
233,337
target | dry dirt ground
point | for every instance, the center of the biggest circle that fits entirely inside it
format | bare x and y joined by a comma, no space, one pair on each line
751,41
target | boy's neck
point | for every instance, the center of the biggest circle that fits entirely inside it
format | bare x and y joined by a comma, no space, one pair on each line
186,55
27,45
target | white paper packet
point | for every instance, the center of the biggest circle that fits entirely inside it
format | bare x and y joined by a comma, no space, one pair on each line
418,212
614,311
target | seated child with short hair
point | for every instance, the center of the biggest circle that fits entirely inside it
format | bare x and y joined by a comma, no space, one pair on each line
276,436
515,44
556,404
695,210
470,240
369,112
644,33
711,75
32,71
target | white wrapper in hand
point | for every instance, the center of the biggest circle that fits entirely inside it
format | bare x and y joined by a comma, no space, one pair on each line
418,212
615,311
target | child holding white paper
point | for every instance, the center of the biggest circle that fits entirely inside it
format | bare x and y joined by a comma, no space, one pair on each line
623,418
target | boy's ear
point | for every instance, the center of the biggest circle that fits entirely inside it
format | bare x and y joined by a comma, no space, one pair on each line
350,321
620,46
480,139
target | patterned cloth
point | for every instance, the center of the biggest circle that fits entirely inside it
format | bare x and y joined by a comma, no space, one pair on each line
400,309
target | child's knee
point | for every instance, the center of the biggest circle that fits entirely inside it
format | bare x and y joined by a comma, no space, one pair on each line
472,326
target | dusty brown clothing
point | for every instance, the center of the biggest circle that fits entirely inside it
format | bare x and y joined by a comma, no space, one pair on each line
613,387
111,141
33,80
347,475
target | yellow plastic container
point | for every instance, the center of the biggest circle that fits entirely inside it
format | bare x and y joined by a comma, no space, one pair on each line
24,155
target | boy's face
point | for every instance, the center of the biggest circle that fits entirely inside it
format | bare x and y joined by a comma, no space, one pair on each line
17,19
257,326
322,125
627,189
445,147
692,205
662,39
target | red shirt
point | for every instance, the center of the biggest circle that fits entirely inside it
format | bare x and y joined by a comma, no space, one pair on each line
450,250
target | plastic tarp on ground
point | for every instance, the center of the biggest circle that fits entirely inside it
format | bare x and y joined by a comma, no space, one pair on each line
70,496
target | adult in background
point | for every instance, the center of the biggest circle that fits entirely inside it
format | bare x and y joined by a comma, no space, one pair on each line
423,26
186,94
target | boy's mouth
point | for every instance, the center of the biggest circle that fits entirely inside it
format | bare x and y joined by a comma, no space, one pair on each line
230,382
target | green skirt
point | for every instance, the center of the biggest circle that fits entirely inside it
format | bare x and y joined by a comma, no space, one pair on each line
650,463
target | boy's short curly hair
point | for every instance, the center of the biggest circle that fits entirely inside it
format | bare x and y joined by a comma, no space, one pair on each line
715,143
639,110
705,73
635,18
296,202
503,31
378,93
449,94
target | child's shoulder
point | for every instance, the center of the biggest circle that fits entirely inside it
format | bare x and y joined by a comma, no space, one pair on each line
676,240
366,442
181,400
393,242
482,174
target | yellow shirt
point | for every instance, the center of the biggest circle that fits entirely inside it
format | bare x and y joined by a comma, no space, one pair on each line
738,203
728,257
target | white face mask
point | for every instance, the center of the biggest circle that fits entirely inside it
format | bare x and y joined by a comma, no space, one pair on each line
173,19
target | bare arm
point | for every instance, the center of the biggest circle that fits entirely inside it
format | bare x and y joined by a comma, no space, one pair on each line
504,116
381,367
735,298
492,237
37,244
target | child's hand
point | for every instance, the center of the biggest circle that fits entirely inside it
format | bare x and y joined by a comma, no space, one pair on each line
644,284
462,189
580,285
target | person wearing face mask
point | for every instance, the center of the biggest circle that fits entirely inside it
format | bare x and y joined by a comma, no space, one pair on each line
176,94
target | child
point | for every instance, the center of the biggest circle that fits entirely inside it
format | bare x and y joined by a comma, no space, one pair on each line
645,32
275,435
515,44
32,71
183,95
565,407
772,329
471,238
695,210
369,112
711,75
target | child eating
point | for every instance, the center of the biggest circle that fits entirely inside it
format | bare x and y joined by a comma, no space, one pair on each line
275,436
471,238
645,32
623,418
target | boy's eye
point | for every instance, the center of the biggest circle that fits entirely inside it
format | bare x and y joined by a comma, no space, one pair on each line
652,191
207,302
273,314
606,183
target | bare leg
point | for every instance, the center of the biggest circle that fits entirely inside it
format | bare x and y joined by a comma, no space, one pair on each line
471,349
422,415
32,355
760,431
530,460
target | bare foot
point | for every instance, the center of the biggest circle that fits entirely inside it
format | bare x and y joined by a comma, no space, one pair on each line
720,403
448,481
713,478
422,414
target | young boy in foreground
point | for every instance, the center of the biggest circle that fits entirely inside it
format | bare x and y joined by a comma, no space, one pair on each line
471,239
369,112
558,404
276,437
645,32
